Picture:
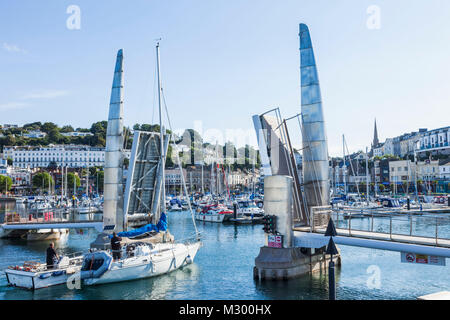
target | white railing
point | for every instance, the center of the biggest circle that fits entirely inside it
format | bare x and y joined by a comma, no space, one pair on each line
320,217
394,224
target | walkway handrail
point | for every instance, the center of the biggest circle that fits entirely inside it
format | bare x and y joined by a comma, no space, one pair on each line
404,227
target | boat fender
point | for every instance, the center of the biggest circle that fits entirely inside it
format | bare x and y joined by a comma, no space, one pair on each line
45,275
58,273
188,259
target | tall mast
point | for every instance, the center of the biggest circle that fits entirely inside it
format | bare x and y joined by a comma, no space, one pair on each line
367,176
344,167
253,178
161,134
66,184
212,181
62,181
217,171
203,188
87,181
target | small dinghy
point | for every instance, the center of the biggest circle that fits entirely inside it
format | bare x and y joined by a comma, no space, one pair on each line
35,275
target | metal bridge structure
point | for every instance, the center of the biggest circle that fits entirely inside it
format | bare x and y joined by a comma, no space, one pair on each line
23,221
143,187
426,234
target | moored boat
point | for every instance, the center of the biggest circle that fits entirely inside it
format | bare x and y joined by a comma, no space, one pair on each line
214,213
35,275
142,259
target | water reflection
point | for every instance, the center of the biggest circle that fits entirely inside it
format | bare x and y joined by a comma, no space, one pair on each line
306,287
223,269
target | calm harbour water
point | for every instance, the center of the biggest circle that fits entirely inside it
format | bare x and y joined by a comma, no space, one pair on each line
223,269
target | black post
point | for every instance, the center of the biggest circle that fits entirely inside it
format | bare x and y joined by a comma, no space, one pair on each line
331,281
408,204
331,250
234,210
448,199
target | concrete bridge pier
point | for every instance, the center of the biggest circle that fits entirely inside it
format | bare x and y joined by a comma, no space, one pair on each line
279,259
288,263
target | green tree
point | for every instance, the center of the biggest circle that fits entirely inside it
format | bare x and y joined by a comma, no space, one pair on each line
100,178
71,177
49,126
52,166
10,140
93,170
150,127
42,180
5,183
67,128
33,126
126,162
99,127
169,157
54,136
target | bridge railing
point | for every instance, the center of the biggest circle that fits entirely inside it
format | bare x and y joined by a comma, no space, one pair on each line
49,216
431,226
320,216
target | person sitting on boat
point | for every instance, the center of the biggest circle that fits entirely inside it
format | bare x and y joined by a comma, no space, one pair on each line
52,256
116,247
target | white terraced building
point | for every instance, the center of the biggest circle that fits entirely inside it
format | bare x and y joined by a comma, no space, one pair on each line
437,139
77,134
72,156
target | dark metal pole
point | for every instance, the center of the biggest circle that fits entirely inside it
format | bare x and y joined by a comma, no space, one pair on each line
331,250
331,281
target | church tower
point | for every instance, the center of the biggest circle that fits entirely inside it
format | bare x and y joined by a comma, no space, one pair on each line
375,136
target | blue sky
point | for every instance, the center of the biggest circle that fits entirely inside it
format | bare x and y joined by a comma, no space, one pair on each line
224,61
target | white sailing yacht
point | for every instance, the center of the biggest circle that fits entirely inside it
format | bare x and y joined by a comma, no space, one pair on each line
150,250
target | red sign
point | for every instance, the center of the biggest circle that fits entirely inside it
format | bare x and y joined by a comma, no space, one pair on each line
275,241
421,258
410,257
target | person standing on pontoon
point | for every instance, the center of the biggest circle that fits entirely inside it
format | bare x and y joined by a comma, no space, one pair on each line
52,256
116,248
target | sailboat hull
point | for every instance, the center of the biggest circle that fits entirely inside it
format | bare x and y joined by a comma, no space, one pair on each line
148,266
